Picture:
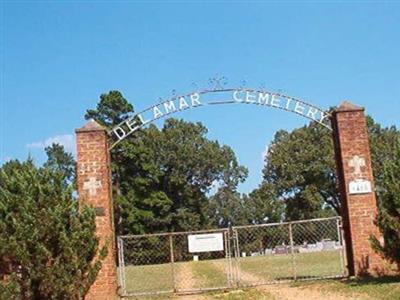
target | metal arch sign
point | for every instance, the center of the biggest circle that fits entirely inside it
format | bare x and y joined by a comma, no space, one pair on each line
215,97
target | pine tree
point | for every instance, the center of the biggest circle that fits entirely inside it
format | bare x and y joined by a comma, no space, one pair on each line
389,211
48,248
61,161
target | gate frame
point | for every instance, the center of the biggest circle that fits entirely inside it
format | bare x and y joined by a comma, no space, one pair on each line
359,211
227,262
341,241
231,261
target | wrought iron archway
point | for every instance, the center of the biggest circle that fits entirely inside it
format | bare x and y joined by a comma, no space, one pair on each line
217,97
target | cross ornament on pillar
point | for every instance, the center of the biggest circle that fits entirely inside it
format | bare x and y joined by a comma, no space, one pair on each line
92,185
357,162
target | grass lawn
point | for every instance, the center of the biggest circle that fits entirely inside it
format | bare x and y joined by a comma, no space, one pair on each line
211,273
280,267
318,264
190,275
148,278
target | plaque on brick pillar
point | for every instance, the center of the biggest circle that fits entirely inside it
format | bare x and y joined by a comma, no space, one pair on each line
358,185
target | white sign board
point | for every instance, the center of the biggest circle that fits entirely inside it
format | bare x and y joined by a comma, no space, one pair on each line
360,187
205,242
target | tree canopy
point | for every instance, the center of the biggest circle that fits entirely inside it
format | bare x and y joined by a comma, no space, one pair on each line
162,177
59,160
300,165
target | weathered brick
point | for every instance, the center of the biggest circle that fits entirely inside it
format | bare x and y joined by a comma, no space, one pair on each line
93,163
358,210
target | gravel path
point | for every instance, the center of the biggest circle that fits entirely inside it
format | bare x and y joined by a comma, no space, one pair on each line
185,278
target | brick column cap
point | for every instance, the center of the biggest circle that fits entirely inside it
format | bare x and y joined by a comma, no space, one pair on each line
347,106
91,125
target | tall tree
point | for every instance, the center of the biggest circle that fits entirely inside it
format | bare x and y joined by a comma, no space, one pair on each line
60,161
227,208
300,166
161,177
264,206
111,110
48,249
383,141
389,209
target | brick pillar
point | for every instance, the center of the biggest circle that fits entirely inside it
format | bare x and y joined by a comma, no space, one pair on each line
94,188
356,187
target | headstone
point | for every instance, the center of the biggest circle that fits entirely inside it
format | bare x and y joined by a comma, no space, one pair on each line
281,250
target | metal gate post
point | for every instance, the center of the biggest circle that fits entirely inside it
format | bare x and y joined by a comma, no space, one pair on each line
341,243
227,257
172,258
231,257
237,256
292,252
121,259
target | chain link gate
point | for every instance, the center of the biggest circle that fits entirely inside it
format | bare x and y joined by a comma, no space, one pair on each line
284,252
163,263
246,256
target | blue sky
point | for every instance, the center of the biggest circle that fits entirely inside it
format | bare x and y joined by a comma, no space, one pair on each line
58,57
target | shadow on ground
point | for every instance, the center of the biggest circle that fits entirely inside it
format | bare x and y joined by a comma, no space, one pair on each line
372,280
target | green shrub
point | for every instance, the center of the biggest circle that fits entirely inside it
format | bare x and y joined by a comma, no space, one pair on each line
48,248
388,219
